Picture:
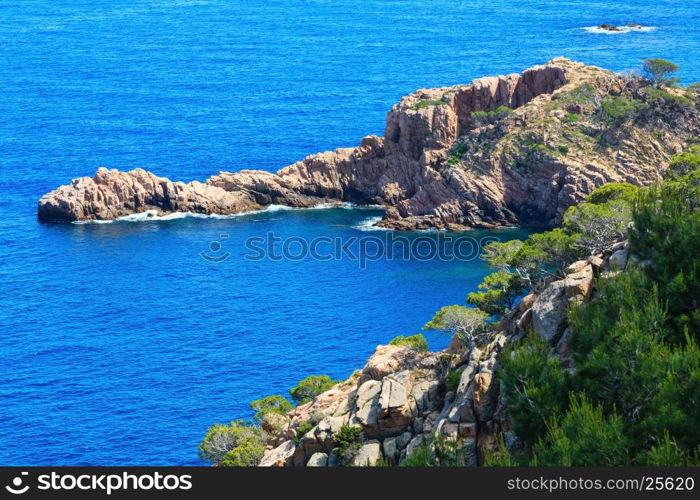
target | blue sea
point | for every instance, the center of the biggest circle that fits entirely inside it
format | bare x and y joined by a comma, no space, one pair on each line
121,343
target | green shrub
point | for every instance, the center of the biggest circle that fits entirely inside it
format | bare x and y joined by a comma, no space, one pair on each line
585,437
348,440
535,387
310,387
613,191
499,112
416,342
302,429
598,226
683,164
426,103
618,345
666,234
660,96
668,454
270,404
236,444
480,118
347,435
572,118
421,456
583,94
452,380
563,149
457,153
657,70
467,323
500,291
500,456
247,454
617,109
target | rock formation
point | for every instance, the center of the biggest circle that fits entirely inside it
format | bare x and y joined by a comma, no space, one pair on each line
401,398
516,149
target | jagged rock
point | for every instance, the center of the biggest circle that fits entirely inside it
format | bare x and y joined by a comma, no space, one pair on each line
580,283
368,455
390,449
597,262
335,458
274,422
326,429
403,440
577,267
318,460
398,397
564,349
279,457
388,359
485,394
367,404
549,311
618,260
415,443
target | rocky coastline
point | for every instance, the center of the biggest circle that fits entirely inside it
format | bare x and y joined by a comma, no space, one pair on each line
402,398
506,150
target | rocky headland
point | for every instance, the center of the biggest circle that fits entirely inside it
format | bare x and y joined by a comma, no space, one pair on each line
506,150
403,398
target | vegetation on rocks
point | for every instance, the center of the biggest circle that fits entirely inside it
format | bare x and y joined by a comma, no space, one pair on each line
417,342
657,70
468,324
632,397
311,387
238,444
270,404
426,103
580,348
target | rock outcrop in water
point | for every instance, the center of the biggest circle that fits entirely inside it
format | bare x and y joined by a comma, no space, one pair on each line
506,150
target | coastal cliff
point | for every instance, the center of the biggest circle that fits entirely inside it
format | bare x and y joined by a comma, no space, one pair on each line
506,150
582,350
402,398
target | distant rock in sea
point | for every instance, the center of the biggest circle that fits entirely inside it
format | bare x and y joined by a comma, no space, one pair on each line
613,29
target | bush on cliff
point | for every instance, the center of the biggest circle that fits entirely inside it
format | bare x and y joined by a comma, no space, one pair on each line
583,437
499,292
310,387
666,235
588,228
613,191
467,323
683,164
238,444
632,398
416,342
535,387
270,404
619,109
348,440
658,70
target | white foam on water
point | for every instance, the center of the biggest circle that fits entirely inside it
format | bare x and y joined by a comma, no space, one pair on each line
152,215
370,225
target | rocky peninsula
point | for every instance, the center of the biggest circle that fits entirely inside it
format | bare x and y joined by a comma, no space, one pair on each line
505,150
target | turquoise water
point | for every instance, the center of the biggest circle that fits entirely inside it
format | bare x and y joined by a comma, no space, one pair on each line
119,343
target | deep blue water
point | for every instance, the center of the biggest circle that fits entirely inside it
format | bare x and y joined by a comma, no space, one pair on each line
119,343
